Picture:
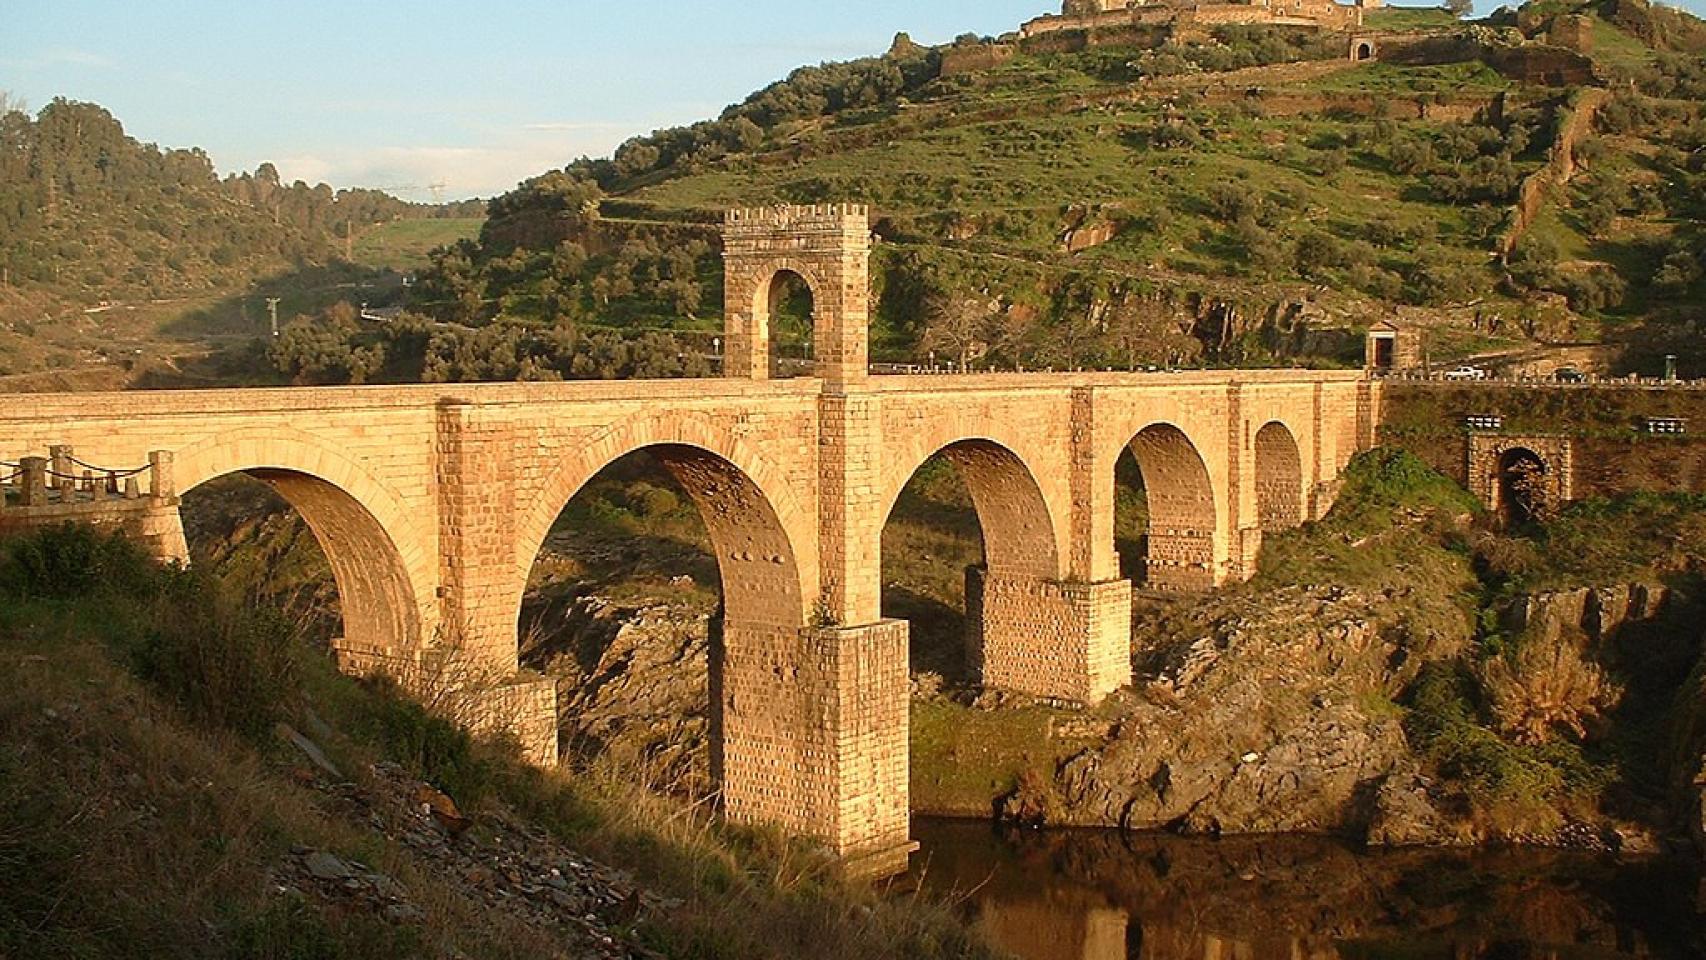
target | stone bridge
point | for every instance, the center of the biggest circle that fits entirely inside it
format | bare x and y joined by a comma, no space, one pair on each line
432,503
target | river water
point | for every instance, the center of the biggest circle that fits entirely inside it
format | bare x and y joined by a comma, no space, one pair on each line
1101,895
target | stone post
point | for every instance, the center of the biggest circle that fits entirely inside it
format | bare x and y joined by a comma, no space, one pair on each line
64,472
34,482
163,484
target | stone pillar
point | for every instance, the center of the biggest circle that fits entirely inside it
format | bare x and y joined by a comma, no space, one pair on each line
813,731
815,721
1243,521
476,531
1060,639
1067,639
477,650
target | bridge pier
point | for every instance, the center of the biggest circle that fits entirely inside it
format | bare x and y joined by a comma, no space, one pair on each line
810,733
1050,638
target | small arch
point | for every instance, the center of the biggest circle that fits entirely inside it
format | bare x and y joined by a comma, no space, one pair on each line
1181,511
1279,478
1018,530
1523,496
1362,51
784,316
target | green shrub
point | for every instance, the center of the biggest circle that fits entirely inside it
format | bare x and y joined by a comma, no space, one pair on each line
70,562
224,664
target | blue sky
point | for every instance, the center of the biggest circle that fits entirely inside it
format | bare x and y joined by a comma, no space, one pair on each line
474,95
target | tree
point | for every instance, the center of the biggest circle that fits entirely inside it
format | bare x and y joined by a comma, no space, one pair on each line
958,323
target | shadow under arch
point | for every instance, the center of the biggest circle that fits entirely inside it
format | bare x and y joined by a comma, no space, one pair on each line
1018,554
360,525
1183,512
1279,478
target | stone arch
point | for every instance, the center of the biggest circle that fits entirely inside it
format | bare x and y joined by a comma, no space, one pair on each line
749,512
1279,478
1522,488
382,562
1363,49
1019,536
763,327
1183,510
828,247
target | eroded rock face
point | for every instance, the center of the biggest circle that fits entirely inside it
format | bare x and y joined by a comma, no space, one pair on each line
1274,717
632,686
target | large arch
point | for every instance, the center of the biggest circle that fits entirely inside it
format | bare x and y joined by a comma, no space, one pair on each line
1184,511
755,523
381,560
764,672
1279,478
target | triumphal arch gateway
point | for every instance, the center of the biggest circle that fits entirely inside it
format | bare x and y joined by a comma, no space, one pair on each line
432,502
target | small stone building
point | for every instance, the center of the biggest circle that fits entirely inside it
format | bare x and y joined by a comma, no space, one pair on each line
1394,347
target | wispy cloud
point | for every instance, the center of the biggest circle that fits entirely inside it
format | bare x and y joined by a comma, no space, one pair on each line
573,126
464,171
60,57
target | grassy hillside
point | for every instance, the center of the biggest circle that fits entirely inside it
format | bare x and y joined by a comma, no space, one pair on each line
1246,198
160,800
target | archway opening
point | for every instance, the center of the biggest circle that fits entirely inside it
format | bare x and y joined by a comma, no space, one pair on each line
788,306
970,515
1522,487
285,539
1178,512
654,566
1279,479
1363,51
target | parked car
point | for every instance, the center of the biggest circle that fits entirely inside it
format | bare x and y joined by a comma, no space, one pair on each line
1466,373
1569,375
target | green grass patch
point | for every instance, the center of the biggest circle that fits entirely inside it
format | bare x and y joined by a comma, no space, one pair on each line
403,245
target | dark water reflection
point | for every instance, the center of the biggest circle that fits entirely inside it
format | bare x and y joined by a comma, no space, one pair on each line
1098,895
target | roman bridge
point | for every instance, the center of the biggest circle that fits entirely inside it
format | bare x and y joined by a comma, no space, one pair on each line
432,502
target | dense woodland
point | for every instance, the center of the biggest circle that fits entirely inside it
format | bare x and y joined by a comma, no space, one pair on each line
89,213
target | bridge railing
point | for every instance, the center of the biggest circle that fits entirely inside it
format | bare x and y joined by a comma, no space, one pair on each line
61,478
1585,382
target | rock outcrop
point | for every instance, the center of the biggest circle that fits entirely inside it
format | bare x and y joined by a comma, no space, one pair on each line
632,686
1275,717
